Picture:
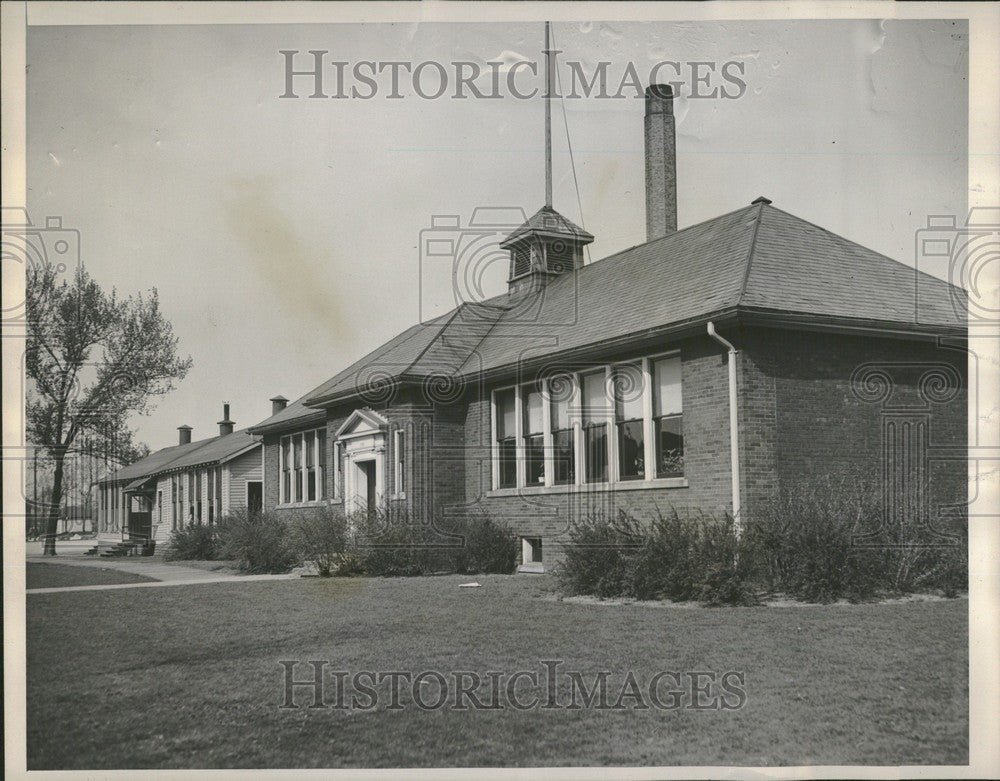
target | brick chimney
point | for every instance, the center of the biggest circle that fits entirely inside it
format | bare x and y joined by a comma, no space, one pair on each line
278,403
184,435
661,162
225,425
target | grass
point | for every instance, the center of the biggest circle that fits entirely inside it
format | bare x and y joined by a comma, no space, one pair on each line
62,575
130,678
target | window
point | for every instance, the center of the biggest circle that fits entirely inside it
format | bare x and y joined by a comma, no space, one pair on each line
286,469
210,480
302,462
181,480
399,448
595,426
563,438
174,498
159,506
297,467
506,433
197,493
534,438
321,461
628,387
191,495
619,423
667,419
310,459
338,485
218,490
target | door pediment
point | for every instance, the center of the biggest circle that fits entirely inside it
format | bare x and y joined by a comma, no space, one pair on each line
362,423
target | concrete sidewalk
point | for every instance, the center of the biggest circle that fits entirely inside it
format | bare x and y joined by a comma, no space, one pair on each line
162,572
165,583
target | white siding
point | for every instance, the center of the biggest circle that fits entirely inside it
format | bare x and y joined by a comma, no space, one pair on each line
249,466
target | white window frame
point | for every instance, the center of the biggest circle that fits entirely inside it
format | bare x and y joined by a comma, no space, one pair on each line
649,480
399,462
298,440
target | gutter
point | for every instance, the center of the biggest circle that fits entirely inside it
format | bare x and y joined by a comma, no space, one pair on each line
734,432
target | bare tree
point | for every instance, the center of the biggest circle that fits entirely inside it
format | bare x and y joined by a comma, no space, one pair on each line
93,359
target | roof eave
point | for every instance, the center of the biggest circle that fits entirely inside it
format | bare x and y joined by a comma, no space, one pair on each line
828,323
264,428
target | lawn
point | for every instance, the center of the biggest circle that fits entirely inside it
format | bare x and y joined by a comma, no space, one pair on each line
189,676
62,575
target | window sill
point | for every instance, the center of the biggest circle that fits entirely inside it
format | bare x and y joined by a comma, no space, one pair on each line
294,505
400,497
624,485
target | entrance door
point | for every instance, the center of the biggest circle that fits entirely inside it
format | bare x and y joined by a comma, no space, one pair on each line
368,470
255,496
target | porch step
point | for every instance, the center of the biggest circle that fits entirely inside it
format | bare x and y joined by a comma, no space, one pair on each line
532,568
120,549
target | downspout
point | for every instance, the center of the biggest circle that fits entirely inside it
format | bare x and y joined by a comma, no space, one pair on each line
734,432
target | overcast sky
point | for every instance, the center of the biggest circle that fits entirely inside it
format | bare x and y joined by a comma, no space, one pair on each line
284,235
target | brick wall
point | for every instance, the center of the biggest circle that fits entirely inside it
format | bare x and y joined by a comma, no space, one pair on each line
802,421
706,456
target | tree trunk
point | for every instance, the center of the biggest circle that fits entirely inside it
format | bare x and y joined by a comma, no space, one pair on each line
52,518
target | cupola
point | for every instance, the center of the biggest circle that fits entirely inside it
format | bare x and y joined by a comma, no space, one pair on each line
548,244
543,247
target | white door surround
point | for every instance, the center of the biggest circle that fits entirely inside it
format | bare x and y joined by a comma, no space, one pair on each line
363,441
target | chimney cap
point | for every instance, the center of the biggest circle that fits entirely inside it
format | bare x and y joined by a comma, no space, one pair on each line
659,99
277,398
760,199
184,427
662,91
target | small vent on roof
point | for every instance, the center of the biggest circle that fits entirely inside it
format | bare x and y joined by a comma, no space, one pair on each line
559,257
522,259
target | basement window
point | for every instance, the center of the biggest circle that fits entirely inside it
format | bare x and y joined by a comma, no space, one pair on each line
531,550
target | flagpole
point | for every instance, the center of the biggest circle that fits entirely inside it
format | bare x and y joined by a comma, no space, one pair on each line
548,120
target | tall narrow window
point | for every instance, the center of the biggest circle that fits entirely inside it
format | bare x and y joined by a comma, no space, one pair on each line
321,462
595,427
286,469
628,385
210,492
564,449
181,480
506,424
667,418
197,496
534,437
174,514
400,448
339,470
310,462
159,506
218,490
297,466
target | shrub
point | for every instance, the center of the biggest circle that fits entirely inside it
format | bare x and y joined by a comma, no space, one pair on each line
321,537
828,542
194,542
391,542
258,542
600,557
486,546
